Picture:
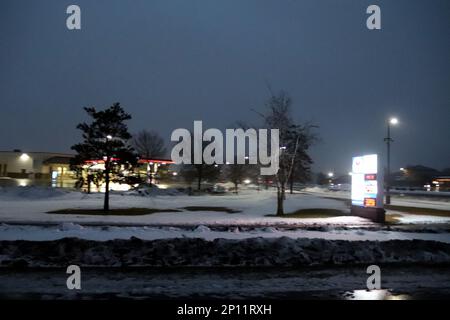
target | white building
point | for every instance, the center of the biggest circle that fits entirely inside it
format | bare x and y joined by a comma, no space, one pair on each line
34,165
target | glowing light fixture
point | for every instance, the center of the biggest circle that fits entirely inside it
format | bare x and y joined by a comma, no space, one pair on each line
393,121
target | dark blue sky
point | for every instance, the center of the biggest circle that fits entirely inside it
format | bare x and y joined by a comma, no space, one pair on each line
172,62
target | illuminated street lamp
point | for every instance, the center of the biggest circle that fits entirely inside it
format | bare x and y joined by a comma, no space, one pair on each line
388,139
393,121
330,175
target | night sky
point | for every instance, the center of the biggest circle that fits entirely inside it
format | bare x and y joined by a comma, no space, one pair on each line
172,62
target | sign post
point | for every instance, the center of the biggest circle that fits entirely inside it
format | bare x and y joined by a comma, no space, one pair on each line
367,188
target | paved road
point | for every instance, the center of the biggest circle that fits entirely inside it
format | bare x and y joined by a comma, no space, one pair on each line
233,283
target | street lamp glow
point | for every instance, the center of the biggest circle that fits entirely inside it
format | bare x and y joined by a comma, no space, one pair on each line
24,157
393,121
330,174
109,137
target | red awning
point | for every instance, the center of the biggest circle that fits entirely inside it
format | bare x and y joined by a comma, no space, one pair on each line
161,161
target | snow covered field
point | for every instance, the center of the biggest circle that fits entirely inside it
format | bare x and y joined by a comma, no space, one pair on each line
23,216
29,205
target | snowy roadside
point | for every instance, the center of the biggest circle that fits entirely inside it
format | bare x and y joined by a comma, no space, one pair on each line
402,217
253,252
410,201
105,233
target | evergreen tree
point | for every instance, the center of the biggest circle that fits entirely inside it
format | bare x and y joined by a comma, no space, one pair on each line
105,138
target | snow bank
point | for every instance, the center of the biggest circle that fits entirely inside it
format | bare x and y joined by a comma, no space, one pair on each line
202,228
32,192
70,226
153,191
254,252
105,233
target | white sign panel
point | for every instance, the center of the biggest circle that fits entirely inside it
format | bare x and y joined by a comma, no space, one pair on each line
366,182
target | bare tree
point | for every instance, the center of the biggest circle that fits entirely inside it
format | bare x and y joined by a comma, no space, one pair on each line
199,172
149,144
294,140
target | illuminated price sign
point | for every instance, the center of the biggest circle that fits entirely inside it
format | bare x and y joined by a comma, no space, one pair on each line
370,202
366,182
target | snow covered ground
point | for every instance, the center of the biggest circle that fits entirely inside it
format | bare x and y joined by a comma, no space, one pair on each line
398,201
67,230
23,216
419,202
29,205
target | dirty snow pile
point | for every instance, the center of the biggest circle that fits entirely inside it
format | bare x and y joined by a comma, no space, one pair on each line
253,252
13,232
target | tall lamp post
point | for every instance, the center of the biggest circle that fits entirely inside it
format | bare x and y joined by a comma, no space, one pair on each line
330,176
388,139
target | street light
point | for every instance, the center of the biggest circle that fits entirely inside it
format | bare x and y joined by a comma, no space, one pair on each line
388,139
330,176
393,121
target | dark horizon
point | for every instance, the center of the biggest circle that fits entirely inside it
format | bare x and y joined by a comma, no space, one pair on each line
170,63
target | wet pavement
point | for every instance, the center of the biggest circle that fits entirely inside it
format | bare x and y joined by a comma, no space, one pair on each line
397,283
